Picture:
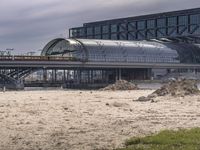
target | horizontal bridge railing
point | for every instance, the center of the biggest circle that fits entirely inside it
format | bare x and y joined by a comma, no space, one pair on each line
36,58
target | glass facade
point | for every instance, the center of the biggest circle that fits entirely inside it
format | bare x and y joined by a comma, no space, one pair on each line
89,31
97,30
114,28
175,24
194,24
105,29
123,51
151,24
131,26
141,25
122,27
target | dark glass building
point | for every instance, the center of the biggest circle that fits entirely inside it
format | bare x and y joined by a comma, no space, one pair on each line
181,25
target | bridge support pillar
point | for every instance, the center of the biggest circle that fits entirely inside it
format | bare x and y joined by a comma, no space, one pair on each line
64,75
45,75
54,75
118,74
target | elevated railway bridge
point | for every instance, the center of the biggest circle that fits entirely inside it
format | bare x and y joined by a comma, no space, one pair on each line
14,69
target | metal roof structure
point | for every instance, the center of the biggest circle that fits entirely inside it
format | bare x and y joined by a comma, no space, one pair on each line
89,50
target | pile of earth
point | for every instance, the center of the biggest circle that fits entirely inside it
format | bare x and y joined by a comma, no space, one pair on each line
176,88
181,87
121,85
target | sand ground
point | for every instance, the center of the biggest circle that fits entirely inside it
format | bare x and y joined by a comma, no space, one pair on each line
88,120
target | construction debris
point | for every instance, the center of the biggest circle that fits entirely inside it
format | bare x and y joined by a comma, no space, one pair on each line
180,87
176,88
121,85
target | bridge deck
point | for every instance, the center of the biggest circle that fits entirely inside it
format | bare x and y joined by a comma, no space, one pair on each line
68,62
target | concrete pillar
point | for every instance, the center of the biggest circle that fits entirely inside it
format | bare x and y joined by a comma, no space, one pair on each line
120,73
92,76
64,75
116,75
45,75
54,75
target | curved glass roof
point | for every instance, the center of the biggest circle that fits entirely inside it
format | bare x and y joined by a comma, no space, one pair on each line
123,51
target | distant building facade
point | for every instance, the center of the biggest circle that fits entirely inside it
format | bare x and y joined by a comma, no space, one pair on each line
181,25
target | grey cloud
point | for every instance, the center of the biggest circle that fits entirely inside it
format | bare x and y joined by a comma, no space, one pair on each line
29,25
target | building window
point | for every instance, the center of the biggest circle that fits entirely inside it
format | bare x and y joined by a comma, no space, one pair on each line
141,25
97,30
113,28
194,24
90,31
161,23
105,29
150,24
122,36
122,27
195,19
97,36
172,31
151,34
74,33
161,32
105,36
172,21
141,35
82,32
131,36
90,37
183,20
114,36
131,26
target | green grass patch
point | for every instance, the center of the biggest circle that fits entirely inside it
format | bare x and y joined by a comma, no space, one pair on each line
167,140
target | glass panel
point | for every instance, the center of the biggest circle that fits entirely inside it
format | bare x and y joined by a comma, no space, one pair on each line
97,30
183,20
122,36
131,26
161,32
183,30
161,22
150,24
141,25
151,34
194,29
131,36
89,31
105,36
113,28
122,27
74,33
172,31
114,36
195,19
105,29
172,21
90,37
97,36
141,35
82,32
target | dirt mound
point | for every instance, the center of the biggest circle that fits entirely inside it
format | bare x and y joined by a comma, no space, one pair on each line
121,85
181,87
176,88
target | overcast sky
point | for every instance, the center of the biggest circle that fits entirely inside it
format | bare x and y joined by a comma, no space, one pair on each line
27,25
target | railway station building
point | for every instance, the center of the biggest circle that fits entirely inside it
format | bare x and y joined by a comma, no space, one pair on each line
163,38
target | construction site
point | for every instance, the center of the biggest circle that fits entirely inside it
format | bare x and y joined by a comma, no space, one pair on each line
107,82
152,47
